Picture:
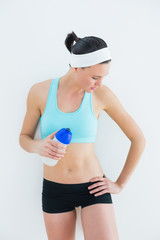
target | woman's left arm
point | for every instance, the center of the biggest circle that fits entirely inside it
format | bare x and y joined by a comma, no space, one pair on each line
116,111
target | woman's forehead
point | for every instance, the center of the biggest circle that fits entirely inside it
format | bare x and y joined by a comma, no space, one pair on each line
99,70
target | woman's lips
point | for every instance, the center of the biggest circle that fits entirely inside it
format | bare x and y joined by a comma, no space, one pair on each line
93,88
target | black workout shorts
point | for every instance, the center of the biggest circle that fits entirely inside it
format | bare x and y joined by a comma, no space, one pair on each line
60,197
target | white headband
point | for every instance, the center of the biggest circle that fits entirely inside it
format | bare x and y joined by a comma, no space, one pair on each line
89,59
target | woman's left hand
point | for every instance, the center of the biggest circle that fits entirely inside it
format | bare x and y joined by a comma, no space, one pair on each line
105,185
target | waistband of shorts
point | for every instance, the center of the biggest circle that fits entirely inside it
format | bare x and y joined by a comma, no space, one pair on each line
66,184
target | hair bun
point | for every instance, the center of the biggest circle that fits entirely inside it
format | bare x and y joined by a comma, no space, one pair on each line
77,38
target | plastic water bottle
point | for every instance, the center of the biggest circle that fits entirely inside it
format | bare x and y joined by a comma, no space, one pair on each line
63,136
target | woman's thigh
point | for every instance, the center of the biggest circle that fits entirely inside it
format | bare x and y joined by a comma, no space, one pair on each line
98,222
60,225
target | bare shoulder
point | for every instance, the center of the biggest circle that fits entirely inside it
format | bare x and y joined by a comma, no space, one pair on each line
107,98
103,96
40,87
33,108
40,90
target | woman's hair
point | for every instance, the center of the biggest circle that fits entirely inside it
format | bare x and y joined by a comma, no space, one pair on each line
84,45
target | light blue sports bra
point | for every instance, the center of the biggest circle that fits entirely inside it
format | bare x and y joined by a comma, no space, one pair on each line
82,123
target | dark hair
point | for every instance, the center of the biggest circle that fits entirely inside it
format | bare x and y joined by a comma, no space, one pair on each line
84,45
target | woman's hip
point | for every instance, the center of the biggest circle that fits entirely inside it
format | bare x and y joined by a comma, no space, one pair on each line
58,197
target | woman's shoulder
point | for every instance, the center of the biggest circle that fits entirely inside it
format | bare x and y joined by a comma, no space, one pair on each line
39,91
41,88
43,84
104,95
107,97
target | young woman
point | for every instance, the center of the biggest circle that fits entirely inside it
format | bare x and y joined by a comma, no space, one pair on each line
75,101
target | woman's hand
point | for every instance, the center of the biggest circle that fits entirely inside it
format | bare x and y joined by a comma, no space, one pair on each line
51,149
105,185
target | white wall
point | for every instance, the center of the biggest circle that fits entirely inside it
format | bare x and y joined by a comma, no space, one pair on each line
32,50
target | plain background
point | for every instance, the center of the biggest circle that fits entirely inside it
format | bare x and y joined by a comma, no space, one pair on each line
32,50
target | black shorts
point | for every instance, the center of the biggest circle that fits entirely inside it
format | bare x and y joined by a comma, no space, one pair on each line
60,197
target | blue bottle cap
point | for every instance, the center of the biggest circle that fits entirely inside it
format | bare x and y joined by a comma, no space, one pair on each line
64,135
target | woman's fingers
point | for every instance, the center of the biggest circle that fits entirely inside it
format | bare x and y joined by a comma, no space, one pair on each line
97,184
57,145
56,151
98,189
53,154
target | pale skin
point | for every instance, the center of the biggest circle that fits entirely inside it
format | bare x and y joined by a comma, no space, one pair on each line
72,86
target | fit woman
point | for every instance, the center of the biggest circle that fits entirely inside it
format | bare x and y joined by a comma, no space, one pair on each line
75,101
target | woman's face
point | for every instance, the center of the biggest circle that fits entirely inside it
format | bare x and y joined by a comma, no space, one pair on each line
91,77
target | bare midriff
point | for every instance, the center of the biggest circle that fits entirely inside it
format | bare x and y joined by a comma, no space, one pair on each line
78,165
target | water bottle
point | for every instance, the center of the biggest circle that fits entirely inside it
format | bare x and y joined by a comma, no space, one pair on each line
63,136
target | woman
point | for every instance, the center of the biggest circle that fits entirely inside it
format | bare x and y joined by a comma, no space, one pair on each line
75,101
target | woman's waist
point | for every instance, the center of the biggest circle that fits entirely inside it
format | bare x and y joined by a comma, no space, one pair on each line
78,162
74,170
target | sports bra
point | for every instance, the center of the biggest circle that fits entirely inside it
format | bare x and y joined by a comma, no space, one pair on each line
82,122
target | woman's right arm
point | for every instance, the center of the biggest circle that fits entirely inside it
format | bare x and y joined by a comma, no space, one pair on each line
44,147
30,122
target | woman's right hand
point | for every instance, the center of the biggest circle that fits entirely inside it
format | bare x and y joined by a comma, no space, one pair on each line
51,149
